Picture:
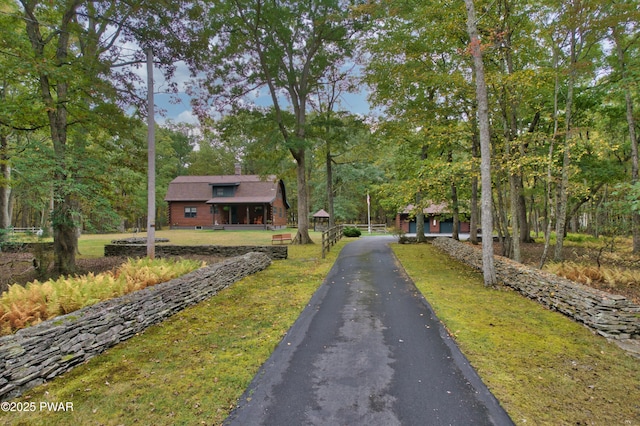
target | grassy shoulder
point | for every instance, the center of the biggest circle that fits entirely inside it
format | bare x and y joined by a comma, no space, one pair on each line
192,368
544,368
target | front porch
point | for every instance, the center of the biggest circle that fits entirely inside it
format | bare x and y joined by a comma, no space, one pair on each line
241,216
242,227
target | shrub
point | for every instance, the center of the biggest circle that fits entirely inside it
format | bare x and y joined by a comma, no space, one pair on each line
399,234
351,232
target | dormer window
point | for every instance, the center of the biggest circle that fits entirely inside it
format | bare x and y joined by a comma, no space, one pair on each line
224,190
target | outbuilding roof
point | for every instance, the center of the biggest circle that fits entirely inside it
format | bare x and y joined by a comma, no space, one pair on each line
321,214
432,209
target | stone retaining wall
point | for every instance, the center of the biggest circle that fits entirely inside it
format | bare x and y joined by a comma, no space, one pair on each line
610,315
25,247
41,352
137,250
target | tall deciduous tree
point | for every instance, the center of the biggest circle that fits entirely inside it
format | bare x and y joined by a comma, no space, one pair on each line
622,21
286,47
577,25
485,146
71,59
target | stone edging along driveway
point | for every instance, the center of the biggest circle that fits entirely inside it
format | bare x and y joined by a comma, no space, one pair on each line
610,315
41,352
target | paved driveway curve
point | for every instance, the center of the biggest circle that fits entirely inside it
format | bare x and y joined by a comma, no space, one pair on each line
367,350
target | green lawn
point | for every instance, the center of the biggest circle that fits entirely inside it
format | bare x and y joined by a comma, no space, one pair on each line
192,368
544,368
92,245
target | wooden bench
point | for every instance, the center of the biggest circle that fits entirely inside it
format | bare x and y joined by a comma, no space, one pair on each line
280,238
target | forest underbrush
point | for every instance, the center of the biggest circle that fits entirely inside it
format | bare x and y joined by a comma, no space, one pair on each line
605,264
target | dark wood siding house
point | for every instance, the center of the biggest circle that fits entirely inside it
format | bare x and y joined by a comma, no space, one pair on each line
227,202
437,220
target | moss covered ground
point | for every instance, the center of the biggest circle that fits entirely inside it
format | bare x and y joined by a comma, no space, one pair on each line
544,368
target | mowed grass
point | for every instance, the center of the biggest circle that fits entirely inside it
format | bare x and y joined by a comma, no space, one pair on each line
192,368
544,368
92,245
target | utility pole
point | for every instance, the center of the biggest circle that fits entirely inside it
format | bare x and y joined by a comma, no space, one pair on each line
368,212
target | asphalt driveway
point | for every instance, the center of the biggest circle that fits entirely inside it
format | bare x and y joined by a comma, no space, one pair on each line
367,350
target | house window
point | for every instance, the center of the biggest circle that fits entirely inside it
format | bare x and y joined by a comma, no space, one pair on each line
224,191
190,211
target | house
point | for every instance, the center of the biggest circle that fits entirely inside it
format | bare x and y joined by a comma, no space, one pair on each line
227,202
437,220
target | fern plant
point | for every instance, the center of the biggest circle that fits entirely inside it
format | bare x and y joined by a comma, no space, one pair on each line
38,301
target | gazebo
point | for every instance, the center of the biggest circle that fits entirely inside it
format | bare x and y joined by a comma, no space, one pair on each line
320,220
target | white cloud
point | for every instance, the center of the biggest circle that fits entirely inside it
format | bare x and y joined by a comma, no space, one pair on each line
187,117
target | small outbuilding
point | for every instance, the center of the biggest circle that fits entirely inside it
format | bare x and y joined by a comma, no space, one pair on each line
437,220
320,220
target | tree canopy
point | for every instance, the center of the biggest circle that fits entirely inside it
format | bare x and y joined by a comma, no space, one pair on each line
562,91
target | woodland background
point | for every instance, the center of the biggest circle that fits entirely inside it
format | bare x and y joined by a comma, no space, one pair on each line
562,79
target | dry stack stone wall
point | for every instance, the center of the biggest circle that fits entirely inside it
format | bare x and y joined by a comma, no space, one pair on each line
610,315
41,352
12,247
140,250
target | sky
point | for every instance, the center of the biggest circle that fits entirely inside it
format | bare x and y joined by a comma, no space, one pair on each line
178,109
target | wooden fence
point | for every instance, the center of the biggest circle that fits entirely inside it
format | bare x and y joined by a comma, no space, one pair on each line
375,227
330,237
333,235
32,230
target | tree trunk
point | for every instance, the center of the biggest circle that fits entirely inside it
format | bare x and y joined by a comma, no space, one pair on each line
514,171
64,212
420,237
549,183
514,197
5,175
525,221
635,220
563,189
456,212
65,238
502,220
330,186
488,267
302,237
473,225
5,183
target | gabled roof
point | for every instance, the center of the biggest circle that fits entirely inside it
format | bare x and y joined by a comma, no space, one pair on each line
432,209
250,189
321,214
